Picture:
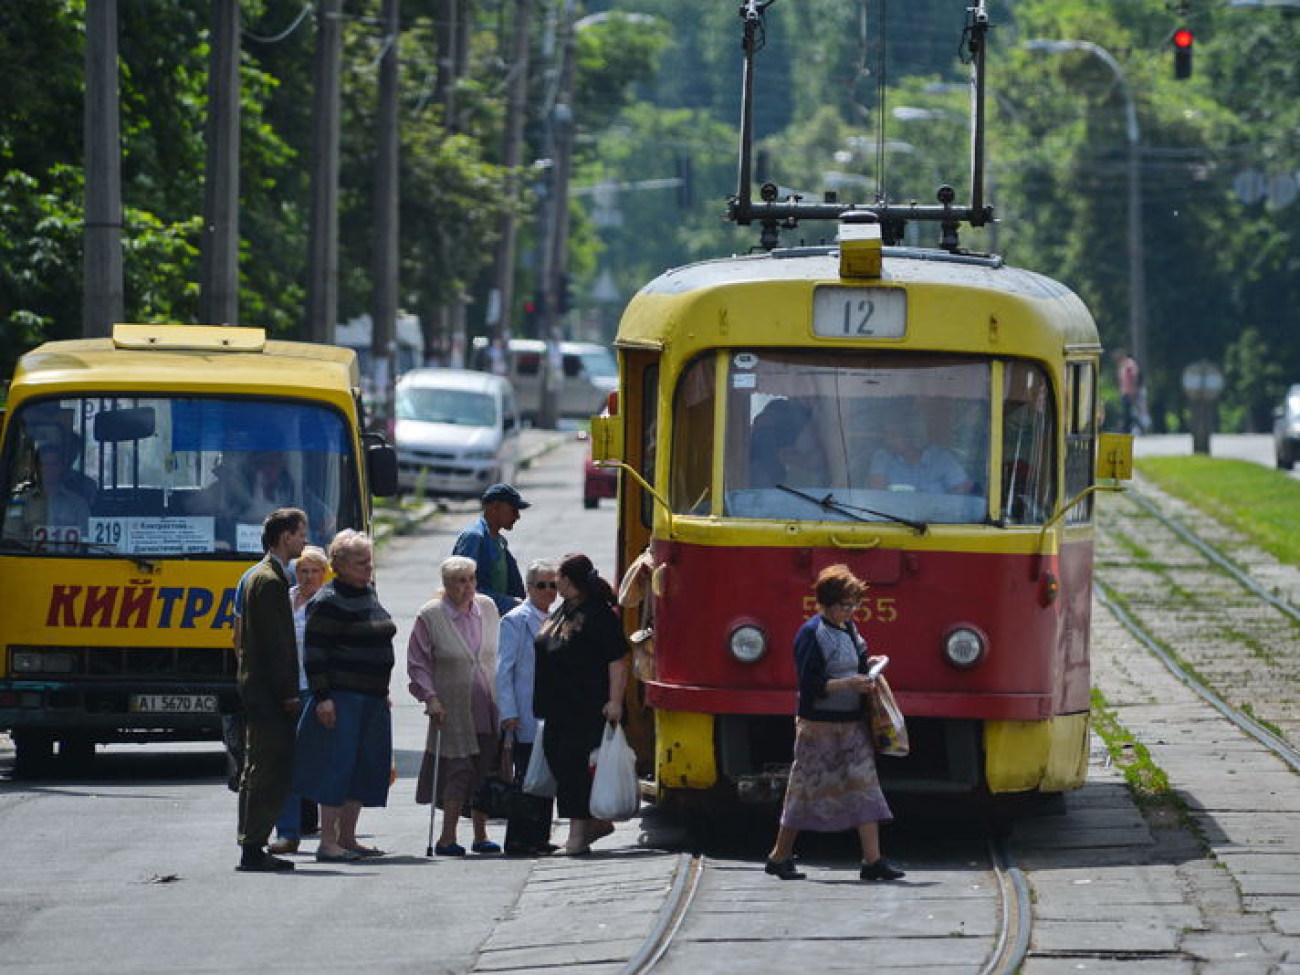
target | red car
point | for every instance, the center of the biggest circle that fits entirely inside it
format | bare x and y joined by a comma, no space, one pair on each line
597,483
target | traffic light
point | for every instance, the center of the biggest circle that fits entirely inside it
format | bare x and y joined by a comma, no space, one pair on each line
1183,39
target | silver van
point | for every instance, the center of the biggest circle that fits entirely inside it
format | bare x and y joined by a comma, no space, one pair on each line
457,431
590,374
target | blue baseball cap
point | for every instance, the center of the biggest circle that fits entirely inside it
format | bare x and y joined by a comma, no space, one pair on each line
504,492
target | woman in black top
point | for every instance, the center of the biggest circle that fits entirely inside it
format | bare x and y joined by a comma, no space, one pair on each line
345,737
581,670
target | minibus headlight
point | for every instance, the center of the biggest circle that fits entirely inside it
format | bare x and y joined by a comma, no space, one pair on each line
964,647
26,662
35,662
748,644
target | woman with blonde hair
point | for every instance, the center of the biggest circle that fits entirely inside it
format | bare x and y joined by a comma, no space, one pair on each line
309,572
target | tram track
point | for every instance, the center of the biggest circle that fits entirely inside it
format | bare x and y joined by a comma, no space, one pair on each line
688,916
1209,619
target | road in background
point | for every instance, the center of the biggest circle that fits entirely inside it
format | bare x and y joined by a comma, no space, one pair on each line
1254,447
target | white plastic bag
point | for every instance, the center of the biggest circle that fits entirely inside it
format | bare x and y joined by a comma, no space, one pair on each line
615,791
538,779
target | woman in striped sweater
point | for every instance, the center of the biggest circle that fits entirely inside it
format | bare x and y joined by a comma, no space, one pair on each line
345,738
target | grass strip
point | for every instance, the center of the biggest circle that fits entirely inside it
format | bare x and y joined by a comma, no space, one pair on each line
1260,502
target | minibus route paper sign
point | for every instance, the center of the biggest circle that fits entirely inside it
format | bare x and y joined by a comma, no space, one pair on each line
859,313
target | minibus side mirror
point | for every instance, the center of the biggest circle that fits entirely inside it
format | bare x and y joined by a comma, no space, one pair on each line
381,467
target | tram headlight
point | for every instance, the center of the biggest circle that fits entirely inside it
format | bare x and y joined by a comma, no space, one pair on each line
748,644
964,647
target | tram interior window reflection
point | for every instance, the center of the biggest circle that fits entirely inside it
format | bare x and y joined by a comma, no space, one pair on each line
1028,457
692,467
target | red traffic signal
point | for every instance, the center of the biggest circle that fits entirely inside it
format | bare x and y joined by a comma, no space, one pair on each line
1183,39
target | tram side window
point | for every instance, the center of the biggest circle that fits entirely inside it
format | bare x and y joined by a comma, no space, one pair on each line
691,488
1028,436
1080,438
649,438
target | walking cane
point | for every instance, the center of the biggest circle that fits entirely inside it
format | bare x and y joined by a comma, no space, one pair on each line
433,797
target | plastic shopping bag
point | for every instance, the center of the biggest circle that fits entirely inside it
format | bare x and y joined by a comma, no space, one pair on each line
538,780
615,791
888,729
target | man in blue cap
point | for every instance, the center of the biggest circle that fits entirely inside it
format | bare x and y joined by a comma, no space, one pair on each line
498,573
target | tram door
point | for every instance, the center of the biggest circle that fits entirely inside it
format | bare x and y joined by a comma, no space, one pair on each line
639,401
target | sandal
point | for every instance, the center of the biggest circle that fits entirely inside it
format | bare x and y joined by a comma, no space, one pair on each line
485,846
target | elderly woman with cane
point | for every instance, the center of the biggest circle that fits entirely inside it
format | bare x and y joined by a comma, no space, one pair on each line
451,661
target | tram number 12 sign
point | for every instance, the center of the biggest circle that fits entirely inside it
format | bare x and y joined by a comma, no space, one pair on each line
859,313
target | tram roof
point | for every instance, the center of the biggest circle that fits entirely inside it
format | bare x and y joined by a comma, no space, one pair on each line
910,267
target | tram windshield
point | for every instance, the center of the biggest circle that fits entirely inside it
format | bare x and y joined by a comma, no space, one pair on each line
862,436
171,476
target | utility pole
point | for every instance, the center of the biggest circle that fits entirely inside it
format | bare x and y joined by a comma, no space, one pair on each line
516,107
102,302
554,236
219,262
323,246
383,347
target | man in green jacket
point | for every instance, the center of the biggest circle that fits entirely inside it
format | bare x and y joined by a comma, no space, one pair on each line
268,686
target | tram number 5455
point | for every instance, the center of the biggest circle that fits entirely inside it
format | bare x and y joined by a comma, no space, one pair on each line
859,313
878,609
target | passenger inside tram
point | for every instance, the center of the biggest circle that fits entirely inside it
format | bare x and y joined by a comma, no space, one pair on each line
910,461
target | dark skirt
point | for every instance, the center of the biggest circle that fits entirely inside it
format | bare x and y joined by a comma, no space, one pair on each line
351,762
458,778
569,741
833,781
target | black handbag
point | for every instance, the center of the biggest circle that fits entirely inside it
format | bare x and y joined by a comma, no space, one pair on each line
498,795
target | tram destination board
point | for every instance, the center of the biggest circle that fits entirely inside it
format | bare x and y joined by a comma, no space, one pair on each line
859,313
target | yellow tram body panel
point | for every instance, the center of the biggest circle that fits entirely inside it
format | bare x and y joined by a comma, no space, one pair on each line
1046,756
684,754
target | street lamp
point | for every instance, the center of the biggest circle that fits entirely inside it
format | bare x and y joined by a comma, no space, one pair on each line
1136,277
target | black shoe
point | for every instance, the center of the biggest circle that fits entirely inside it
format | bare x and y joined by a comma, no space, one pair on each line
263,863
882,869
784,869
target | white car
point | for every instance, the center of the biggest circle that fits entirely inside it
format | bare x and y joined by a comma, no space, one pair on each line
457,431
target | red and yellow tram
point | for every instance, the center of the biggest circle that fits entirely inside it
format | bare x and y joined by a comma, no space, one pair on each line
765,408
926,417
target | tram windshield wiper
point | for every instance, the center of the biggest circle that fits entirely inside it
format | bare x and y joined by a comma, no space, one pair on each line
829,503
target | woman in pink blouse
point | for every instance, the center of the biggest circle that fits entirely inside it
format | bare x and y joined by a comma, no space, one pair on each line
451,661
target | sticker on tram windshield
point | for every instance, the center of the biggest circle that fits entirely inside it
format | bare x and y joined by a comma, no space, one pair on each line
859,313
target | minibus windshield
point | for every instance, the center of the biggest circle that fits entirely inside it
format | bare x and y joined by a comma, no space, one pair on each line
162,476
